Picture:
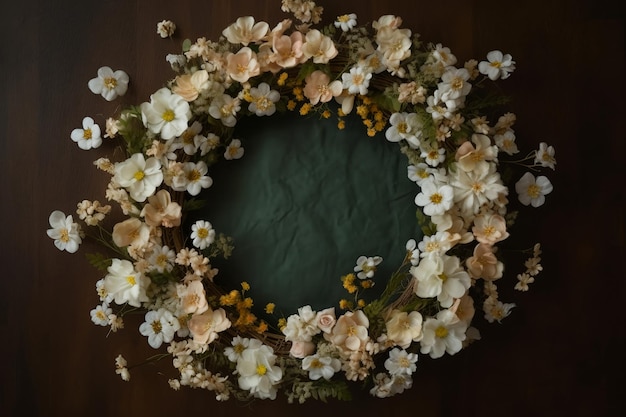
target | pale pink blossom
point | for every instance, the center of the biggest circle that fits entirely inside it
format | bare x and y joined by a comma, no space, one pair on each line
206,326
319,88
484,264
245,31
319,47
162,211
242,65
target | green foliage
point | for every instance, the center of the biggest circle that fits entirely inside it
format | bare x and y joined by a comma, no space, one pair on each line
132,130
99,261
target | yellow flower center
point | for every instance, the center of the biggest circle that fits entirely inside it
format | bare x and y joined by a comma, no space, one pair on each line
168,115
489,230
203,233
261,369
443,277
156,326
110,83
65,236
351,331
263,103
194,175
402,127
441,332
534,191
358,79
161,260
436,198
238,348
343,18
457,83
87,134
496,64
315,363
404,362
131,280
477,187
139,175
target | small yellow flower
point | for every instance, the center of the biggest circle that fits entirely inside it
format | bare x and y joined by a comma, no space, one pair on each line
378,116
362,111
298,93
262,327
345,304
291,105
245,286
380,126
366,100
326,114
281,79
340,113
371,132
306,107
361,303
269,308
368,123
367,283
282,323
341,124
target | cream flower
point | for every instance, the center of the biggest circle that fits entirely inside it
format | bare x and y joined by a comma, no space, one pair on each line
545,156
301,327
319,47
321,366
287,50
109,84
245,31
350,332
531,190
484,264
202,234
470,158
443,333
301,350
489,228
166,28
192,178
167,114
454,83
125,284
205,326
326,319
498,65
234,150
441,277
89,136
159,326
506,142
357,80
404,328
242,65
131,232
192,297
161,259
100,315
66,233
162,211
258,372
189,86
318,87
139,176
475,188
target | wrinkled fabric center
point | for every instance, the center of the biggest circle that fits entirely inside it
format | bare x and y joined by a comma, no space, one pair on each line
304,202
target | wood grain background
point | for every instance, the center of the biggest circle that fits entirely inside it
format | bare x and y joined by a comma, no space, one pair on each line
560,353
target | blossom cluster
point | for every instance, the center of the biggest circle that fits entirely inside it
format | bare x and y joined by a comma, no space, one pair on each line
418,96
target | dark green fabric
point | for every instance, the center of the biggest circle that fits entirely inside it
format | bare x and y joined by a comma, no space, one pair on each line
304,202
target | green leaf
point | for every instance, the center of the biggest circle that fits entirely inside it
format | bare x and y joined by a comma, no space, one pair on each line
98,261
186,45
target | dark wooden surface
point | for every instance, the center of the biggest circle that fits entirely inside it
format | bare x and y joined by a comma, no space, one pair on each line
560,353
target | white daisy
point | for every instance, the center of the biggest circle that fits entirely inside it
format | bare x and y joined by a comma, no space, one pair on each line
66,233
89,136
531,190
110,84
202,234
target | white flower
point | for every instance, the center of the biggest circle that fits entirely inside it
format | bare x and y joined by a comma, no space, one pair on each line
506,142
441,277
100,315
400,362
159,326
234,150
357,80
475,188
167,114
435,199
89,136
121,369
413,253
139,176
195,177
64,231
443,333
497,65
545,156
435,245
496,310
420,172
263,99
350,332
162,259
346,21
301,327
166,28
109,84
366,266
125,284
225,108
433,155
321,366
258,372
202,234
405,126
239,344
454,83
533,191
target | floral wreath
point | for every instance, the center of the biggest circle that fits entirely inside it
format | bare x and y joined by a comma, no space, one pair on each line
413,92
